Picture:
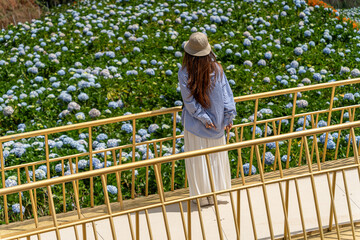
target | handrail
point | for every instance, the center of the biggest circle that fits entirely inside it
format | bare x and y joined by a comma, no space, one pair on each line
171,110
296,89
144,163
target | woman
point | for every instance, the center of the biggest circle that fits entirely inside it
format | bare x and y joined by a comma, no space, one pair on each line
208,109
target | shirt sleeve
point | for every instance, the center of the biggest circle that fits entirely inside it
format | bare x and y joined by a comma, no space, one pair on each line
229,104
192,106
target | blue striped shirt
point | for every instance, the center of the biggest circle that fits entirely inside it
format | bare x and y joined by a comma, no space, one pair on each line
221,111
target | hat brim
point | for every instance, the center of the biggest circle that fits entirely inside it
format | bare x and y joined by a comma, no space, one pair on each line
200,53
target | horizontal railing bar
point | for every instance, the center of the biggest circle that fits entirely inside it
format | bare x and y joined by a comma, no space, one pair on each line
90,124
177,136
234,189
175,157
296,89
170,110
295,116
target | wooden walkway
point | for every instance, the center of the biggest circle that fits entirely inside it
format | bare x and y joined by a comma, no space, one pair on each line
6,231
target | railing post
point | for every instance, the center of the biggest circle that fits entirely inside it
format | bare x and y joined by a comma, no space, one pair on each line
253,135
53,212
133,160
173,151
91,168
264,191
162,199
329,121
2,165
313,186
189,218
214,196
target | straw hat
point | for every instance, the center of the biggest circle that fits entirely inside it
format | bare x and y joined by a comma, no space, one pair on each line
197,45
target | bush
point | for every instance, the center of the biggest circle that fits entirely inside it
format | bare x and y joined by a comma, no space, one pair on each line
52,3
343,3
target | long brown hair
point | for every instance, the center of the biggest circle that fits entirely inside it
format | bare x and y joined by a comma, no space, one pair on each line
199,81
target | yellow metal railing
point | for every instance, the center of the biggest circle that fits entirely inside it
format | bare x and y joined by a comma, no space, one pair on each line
262,180
242,132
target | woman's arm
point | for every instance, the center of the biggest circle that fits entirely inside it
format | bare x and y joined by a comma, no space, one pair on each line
192,106
229,104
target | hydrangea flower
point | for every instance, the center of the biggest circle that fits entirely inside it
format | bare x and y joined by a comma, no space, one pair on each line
73,106
178,54
322,123
269,158
248,63
40,174
331,145
127,127
271,145
11,181
258,131
246,168
349,96
64,96
268,55
247,42
323,137
16,208
355,72
284,158
262,62
8,111
82,164
153,127
298,51
94,113
101,137
83,97
301,103
112,189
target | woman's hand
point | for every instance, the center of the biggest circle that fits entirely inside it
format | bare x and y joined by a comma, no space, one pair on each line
211,125
228,127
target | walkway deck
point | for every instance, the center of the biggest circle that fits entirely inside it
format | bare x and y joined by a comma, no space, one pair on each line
227,220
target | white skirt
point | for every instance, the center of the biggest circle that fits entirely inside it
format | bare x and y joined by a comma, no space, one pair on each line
196,168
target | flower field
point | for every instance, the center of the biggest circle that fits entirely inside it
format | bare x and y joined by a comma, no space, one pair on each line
100,59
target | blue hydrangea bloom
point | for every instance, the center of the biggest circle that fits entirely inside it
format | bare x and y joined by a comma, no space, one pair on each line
153,127
284,158
349,96
322,123
82,164
246,167
11,181
101,137
262,62
16,208
269,158
302,103
271,145
127,127
80,116
268,55
40,174
258,131
83,97
58,168
112,189
298,51
331,145
323,137
317,76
